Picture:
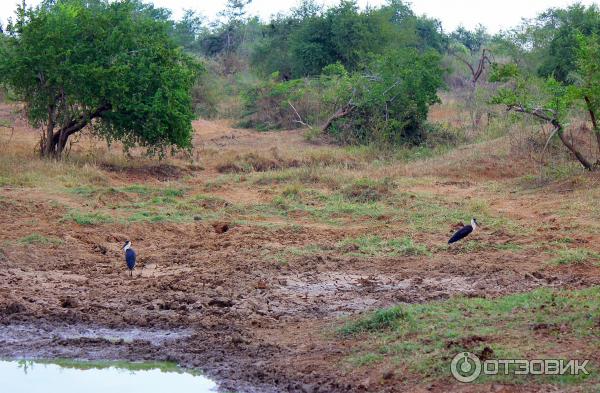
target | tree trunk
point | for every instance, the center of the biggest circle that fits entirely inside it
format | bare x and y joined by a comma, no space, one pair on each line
343,111
550,116
594,121
46,145
586,164
54,143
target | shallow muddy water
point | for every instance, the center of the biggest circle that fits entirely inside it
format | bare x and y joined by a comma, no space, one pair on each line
65,376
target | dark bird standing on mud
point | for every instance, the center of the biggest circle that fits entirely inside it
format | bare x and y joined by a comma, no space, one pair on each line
129,257
464,231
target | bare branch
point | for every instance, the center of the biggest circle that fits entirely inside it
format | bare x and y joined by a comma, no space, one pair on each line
299,117
542,113
342,112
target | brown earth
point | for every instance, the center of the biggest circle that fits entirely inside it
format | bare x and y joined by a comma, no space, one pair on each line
208,293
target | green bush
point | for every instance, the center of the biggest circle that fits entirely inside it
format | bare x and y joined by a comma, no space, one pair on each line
388,102
275,104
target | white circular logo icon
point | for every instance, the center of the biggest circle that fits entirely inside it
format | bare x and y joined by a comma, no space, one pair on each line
465,367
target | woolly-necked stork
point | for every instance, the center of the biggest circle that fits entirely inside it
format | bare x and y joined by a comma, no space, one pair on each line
464,231
129,257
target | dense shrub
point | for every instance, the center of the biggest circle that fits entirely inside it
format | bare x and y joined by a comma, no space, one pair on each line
276,104
386,102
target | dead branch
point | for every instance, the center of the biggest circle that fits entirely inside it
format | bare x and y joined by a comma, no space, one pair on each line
299,117
342,112
549,115
476,71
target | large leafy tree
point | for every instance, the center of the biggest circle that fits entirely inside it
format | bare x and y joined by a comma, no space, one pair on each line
111,66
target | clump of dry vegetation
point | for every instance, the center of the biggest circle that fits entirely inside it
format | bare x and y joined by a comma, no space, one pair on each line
274,159
368,190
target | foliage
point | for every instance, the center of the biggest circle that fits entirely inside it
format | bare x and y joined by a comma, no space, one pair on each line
563,27
556,100
472,40
187,30
387,102
390,99
587,75
272,103
302,43
74,61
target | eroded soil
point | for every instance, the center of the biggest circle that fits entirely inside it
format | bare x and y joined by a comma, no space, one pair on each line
235,302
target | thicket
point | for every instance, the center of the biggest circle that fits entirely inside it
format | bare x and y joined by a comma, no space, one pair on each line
370,75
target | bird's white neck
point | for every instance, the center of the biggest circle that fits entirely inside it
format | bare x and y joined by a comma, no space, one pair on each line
473,224
127,247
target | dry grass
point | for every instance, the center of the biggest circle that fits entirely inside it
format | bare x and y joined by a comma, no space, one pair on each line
275,159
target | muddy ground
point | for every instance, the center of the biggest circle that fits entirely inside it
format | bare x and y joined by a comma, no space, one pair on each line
211,293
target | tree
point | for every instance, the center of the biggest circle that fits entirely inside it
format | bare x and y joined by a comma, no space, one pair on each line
549,101
310,38
187,30
587,79
561,29
470,49
474,40
110,66
388,102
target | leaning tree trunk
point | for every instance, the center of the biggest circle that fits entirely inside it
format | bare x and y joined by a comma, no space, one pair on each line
54,142
342,112
590,109
550,116
559,129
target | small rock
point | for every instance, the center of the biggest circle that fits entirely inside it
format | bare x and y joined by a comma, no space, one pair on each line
308,388
261,284
99,248
486,353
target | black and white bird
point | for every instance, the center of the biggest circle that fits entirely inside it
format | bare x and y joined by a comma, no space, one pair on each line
129,257
464,231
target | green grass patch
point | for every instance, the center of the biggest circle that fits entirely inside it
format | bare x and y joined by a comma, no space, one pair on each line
153,216
36,238
575,255
138,189
423,338
377,321
368,190
471,246
83,218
